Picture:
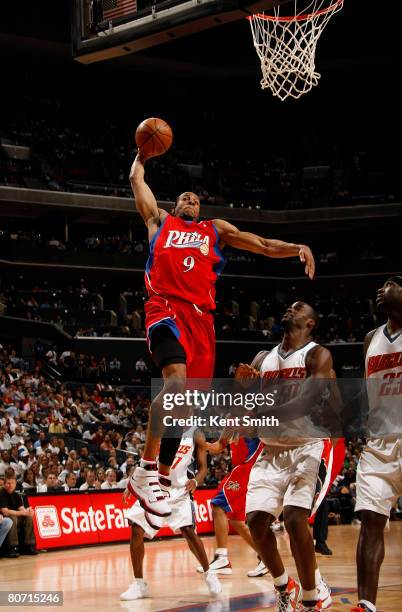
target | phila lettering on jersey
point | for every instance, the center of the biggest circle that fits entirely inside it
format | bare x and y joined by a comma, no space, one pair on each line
185,261
384,384
291,367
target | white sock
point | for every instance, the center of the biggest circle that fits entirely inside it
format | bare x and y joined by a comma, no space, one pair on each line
144,462
281,580
318,576
309,595
139,580
221,552
368,604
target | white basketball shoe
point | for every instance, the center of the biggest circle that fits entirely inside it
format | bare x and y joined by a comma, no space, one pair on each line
220,565
144,484
260,570
324,594
137,590
213,583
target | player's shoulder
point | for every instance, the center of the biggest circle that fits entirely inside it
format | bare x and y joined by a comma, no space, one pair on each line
369,336
319,355
259,358
221,225
164,214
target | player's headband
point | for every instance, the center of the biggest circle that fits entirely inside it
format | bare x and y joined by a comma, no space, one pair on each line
395,279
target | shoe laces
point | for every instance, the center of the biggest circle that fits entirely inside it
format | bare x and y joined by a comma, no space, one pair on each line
282,600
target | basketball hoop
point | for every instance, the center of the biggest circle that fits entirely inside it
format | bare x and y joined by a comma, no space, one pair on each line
286,46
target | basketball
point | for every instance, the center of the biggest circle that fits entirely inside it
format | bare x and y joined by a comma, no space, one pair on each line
153,137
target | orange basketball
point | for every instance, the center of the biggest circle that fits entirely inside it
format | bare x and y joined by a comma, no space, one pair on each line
153,137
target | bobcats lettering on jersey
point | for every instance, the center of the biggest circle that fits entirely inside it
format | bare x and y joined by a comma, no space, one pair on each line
291,367
285,373
384,383
377,363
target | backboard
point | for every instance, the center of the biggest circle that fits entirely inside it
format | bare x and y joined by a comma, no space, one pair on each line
105,29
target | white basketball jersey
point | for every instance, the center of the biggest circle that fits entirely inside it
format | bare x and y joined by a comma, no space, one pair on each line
290,366
384,383
183,459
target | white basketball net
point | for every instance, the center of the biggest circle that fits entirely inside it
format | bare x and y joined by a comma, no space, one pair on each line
286,46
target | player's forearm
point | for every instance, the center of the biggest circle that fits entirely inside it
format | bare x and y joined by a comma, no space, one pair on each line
279,249
137,171
247,241
201,475
145,201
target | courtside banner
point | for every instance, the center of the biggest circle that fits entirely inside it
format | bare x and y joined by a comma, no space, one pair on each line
75,519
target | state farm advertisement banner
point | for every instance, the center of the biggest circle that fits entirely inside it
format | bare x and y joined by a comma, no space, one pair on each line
96,517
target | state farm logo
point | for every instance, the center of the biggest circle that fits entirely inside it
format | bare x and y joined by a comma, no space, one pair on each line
47,521
203,512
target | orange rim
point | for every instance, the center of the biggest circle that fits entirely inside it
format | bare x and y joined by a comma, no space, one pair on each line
303,17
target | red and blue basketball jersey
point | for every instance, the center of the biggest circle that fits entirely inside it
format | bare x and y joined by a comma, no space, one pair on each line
245,450
184,262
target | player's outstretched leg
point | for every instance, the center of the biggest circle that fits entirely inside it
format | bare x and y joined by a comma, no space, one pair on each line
139,588
286,588
144,482
369,557
197,548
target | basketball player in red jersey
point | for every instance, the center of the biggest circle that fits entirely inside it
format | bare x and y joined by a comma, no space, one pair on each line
379,473
229,504
185,260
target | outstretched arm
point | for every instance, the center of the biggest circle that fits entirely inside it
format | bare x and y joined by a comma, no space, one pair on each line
231,235
145,201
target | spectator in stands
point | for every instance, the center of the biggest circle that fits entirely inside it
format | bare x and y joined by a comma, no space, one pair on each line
68,467
84,455
29,480
40,443
5,443
11,506
70,482
100,475
51,484
106,444
114,367
110,482
90,481
141,367
51,357
56,426
86,414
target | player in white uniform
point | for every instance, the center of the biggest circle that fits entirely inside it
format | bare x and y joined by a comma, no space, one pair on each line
284,477
379,473
178,495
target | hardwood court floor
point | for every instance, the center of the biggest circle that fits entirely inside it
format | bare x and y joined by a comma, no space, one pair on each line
92,578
